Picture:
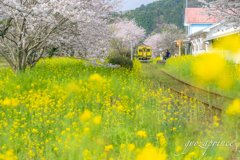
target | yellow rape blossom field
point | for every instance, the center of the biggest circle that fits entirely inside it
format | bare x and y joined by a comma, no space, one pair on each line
212,71
63,109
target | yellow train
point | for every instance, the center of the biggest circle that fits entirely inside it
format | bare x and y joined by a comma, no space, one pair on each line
144,52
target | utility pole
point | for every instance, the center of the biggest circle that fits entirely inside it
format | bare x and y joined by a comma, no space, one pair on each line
131,49
179,50
185,13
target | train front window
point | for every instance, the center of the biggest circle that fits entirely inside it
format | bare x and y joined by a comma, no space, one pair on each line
148,50
140,50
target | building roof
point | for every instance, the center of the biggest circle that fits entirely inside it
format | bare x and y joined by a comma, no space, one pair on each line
194,15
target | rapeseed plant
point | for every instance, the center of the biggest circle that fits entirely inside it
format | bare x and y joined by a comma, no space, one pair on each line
234,108
65,109
152,153
156,59
141,134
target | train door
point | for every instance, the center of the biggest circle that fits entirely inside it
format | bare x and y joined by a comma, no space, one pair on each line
144,53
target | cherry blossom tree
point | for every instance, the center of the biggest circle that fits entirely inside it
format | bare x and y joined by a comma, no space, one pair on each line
123,32
154,42
166,39
226,11
125,29
171,34
89,40
30,27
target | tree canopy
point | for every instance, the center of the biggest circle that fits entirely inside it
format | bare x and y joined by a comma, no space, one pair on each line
151,16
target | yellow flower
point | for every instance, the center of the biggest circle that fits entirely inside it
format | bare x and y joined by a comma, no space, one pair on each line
142,134
174,128
148,145
34,130
216,123
97,78
10,102
216,118
2,156
15,102
6,102
152,153
86,153
137,107
9,155
119,108
162,140
97,120
85,115
131,147
219,158
55,149
189,156
234,108
178,148
108,148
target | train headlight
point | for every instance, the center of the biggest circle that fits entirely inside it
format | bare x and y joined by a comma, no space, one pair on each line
144,54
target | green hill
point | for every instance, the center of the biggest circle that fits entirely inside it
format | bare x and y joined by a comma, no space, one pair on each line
152,16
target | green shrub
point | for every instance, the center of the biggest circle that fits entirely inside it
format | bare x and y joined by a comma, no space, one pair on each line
123,53
122,61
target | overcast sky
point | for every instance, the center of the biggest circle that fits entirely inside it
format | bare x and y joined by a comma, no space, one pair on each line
132,4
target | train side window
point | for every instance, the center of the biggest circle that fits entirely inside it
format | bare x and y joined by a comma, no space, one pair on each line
148,50
140,50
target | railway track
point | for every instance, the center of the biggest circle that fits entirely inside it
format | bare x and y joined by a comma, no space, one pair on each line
211,100
214,93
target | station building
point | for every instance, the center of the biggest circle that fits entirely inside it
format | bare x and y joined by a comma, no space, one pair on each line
206,34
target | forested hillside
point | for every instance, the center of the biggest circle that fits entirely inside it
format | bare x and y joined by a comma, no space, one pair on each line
152,16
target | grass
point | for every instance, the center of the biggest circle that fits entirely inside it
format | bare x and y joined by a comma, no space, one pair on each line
2,59
63,109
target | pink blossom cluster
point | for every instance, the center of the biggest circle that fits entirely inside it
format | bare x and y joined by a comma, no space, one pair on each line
128,30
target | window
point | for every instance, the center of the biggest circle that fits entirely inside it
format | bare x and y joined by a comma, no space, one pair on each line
148,50
140,50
